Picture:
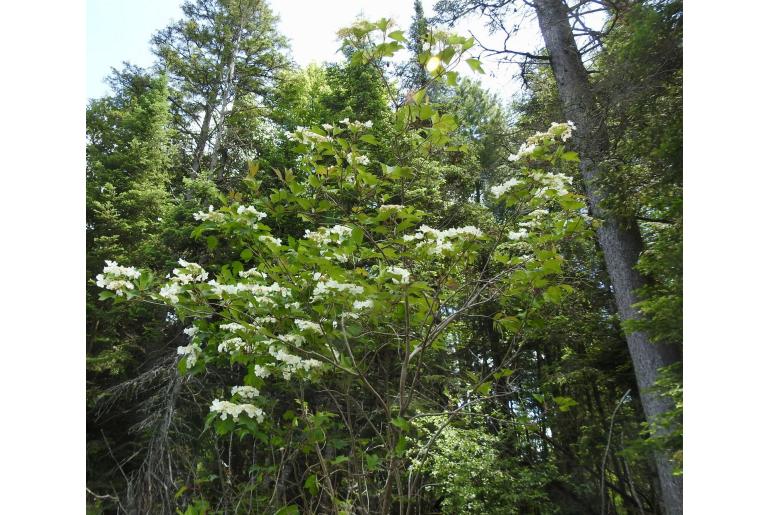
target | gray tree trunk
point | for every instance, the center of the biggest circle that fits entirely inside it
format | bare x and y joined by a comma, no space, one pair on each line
620,240
228,96
203,135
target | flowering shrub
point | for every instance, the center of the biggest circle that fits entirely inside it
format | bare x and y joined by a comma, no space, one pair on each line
367,283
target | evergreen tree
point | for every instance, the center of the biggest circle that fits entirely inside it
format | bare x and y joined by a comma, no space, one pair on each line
222,61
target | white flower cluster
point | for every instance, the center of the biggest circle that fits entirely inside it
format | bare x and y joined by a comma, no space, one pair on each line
226,408
190,272
323,236
359,160
252,272
247,392
294,339
356,124
261,371
235,344
264,294
561,131
305,135
292,363
517,235
390,207
307,325
251,211
213,216
192,352
328,286
502,189
552,181
402,273
269,239
441,239
191,331
232,327
264,320
359,305
171,292
116,277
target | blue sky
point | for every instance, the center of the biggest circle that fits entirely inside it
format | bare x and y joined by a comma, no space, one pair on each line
120,30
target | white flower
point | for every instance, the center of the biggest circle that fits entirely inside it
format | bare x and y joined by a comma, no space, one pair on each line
116,277
306,325
113,268
251,210
295,339
226,408
517,235
361,159
252,272
307,136
358,305
191,331
502,189
323,236
261,371
247,392
327,126
323,288
269,239
212,215
264,320
190,272
232,327
171,292
402,273
441,239
390,207
552,181
192,352
235,344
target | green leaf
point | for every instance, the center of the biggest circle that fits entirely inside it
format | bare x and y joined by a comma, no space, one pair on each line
292,509
372,461
401,446
475,65
484,388
246,254
339,459
311,484
212,242
553,294
570,156
401,423
368,138
398,35
565,403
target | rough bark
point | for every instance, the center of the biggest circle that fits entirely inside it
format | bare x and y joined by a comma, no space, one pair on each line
620,240
203,135
228,96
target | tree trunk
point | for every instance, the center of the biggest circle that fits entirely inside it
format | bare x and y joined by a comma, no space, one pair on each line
620,239
203,136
